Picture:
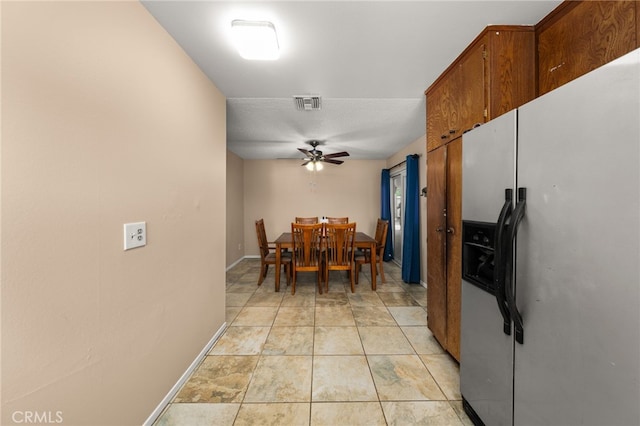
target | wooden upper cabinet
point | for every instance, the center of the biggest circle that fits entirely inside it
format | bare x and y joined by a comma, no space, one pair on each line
512,69
578,37
442,110
495,74
472,94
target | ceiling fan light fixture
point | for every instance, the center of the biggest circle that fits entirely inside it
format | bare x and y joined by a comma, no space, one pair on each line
314,165
315,158
255,40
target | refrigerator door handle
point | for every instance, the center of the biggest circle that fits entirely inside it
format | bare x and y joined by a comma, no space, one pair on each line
499,275
518,215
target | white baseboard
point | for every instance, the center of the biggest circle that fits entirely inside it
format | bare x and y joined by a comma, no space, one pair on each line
185,376
251,256
234,264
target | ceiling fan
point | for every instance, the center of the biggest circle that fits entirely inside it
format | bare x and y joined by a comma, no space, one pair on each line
315,156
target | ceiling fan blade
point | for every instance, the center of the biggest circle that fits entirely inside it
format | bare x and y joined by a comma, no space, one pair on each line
305,163
337,154
305,152
328,160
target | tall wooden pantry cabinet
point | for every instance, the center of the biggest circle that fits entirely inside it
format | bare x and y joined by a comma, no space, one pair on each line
495,74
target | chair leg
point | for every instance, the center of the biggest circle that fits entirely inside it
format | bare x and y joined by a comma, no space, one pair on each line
263,273
382,271
287,270
353,288
326,279
357,272
318,275
293,280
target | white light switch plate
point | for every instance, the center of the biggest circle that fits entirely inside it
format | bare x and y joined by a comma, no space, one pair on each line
135,235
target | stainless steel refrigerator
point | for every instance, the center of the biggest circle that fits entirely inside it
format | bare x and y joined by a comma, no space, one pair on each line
551,257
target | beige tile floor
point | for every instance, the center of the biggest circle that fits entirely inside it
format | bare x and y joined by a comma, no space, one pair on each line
340,358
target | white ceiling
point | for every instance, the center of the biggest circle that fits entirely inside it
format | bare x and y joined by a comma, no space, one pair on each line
369,60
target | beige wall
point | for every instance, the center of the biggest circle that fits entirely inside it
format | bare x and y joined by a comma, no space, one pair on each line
235,208
419,146
280,190
105,120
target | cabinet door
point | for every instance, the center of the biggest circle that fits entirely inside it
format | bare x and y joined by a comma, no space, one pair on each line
472,91
454,245
436,244
510,66
588,35
638,24
438,110
436,118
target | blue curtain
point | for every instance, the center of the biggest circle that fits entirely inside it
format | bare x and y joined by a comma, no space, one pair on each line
411,235
385,211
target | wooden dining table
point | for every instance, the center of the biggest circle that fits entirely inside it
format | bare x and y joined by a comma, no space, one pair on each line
362,240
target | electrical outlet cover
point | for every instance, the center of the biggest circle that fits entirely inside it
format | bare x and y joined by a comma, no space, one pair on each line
135,235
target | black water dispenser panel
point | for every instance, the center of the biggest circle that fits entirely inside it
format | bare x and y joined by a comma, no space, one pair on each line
478,254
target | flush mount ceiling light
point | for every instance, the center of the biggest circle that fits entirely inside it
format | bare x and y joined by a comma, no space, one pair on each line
256,40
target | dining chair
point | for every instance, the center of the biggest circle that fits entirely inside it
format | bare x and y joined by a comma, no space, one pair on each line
268,255
340,239
307,247
337,219
307,220
364,257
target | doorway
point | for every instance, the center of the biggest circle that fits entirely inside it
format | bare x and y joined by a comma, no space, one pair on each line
398,182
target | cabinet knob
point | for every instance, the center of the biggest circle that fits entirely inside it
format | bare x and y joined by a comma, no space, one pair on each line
450,231
444,137
439,229
452,131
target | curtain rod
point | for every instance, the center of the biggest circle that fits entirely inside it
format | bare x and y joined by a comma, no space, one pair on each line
402,162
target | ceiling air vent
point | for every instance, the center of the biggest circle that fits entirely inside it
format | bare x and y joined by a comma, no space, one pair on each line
307,103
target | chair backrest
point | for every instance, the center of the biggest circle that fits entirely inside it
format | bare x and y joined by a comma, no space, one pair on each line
382,227
263,244
337,219
307,219
307,240
340,238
